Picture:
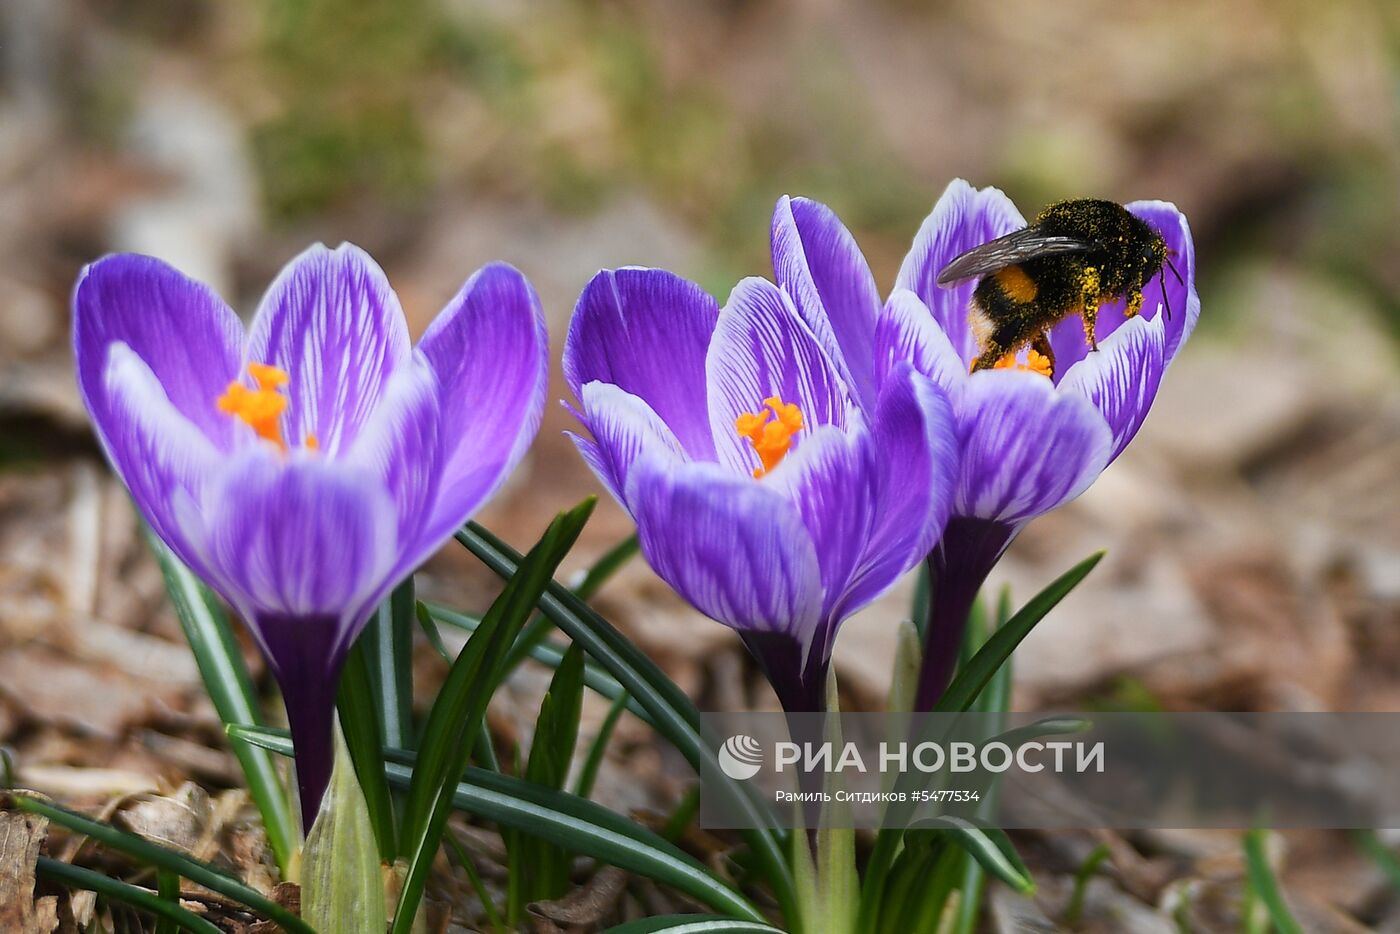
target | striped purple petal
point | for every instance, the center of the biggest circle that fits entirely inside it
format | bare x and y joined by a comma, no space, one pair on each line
333,324
762,348
907,334
188,337
646,331
916,448
1026,447
963,217
296,537
490,352
161,456
1121,380
736,549
817,262
624,428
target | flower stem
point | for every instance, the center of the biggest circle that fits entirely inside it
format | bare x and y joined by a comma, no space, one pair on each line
301,651
957,568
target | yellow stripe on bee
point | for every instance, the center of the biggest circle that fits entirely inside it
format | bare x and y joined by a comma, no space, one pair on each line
1018,286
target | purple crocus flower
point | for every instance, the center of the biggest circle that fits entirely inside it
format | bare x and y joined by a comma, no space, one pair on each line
1029,444
774,484
306,467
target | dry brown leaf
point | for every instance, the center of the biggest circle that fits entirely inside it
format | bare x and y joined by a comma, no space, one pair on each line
21,836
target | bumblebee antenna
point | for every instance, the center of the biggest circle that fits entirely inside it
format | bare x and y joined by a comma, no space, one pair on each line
1172,267
1162,281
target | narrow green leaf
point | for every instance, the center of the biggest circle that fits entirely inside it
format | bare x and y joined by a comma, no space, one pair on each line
598,749
168,888
464,859
908,656
999,646
537,630
342,888
430,629
359,720
961,695
576,823
547,653
1086,871
551,751
692,924
837,877
230,689
460,705
388,643
990,847
160,857
918,607
671,713
115,890
1265,884
683,815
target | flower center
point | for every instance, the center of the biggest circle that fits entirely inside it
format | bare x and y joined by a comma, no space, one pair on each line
771,439
1036,362
261,409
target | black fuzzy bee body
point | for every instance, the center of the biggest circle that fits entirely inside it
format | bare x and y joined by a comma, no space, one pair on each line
1076,256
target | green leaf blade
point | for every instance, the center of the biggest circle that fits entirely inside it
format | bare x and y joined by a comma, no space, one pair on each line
230,689
461,704
342,888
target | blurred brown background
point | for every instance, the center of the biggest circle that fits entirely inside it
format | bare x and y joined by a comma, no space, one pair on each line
1253,528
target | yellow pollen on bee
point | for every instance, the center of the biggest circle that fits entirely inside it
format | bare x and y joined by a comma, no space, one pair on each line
1018,286
1036,362
770,431
261,409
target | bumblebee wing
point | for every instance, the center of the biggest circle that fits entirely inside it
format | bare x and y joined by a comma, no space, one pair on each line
1016,247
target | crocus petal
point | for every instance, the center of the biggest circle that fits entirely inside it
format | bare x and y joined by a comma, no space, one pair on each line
817,262
647,331
161,456
402,446
1181,297
736,550
298,537
490,352
1121,380
1160,292
832,482
624,428
964,217
333,324
1026,448
915,439
191,341
762,348
907,333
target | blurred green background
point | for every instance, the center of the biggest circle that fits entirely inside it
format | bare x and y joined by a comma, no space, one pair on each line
1276,125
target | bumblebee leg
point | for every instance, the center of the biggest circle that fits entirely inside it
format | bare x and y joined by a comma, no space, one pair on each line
1089,293
1134,304
1091,314
1041,345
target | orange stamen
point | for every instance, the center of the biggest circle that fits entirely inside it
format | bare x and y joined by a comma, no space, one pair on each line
770,439
1036,362
261,409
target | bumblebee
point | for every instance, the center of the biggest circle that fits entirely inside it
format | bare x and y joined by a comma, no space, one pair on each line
1076,256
